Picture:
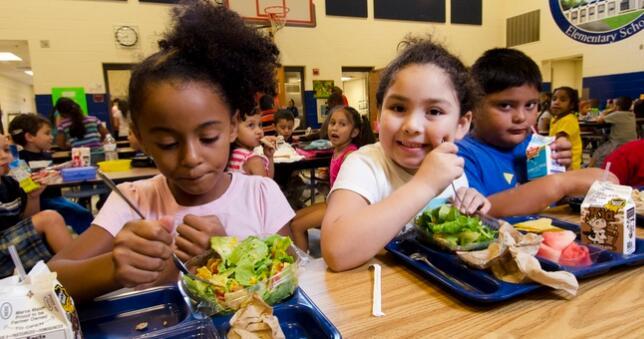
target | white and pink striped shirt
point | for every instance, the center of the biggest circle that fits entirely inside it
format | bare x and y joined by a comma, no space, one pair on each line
239,157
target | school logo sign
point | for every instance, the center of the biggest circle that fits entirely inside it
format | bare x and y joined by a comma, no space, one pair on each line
598,22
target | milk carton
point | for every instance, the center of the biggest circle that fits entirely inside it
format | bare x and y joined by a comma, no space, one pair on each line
81,157
608,217
539,158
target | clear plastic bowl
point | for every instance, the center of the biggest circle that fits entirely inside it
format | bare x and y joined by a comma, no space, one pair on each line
270,289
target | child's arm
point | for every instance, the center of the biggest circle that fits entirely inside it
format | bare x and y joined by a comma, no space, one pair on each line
270,145
353,231
257,166
537,195
139,254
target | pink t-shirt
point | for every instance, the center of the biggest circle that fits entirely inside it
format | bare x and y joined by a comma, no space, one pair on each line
336,162
252,205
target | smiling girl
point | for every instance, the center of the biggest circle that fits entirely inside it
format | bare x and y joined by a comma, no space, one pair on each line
425,99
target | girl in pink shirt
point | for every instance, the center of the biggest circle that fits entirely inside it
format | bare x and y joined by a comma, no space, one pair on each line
185,100
347,130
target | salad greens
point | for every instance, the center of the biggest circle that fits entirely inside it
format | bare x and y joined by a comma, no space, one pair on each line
448,226
253,264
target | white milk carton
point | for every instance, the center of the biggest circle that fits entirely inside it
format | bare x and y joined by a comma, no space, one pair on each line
608,217
38,307
81,157
539,158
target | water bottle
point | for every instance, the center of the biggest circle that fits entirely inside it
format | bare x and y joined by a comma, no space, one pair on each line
109,148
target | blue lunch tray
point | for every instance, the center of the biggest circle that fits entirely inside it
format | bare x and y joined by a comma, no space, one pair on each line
117,317
487,288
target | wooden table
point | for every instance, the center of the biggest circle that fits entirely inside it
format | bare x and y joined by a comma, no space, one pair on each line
611,305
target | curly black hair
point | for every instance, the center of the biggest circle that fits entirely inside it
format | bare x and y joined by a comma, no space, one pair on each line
26,123
211,44
502,68
420,51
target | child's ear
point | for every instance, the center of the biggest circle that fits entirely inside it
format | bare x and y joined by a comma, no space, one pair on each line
355,133
29,137
463,127
234,123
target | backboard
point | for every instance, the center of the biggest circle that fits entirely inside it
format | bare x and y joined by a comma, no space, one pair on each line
300,12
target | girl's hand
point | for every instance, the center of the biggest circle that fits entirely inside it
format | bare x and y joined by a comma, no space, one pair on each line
193,235
142,252
470,201
439,168
562,151
269,144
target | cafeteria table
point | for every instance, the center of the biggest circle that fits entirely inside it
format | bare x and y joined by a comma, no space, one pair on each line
610,305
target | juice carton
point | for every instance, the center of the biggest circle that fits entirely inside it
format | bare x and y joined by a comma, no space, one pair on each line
608,217
539,155
81,157
20,171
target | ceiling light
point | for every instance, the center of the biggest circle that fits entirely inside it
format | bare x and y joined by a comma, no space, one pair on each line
8,56
29,72
346,78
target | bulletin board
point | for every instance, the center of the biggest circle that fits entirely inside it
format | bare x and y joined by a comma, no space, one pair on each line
75,93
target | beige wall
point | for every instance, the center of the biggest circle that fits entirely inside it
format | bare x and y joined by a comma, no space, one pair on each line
567,73
81,39
15,97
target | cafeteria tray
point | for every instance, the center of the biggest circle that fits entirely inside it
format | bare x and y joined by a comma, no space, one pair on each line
168,316
485,288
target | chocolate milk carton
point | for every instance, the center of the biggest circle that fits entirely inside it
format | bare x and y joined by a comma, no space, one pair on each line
608,217
539,158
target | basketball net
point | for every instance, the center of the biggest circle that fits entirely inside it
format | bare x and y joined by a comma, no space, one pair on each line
277,16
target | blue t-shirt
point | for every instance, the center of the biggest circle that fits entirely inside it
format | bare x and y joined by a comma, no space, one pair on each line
490,169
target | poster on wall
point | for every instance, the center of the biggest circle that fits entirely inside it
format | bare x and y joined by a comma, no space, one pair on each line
598,22
322,88
75,93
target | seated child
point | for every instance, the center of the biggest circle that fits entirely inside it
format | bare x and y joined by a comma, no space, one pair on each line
37,235
424,98
243,159
623,129
33,133
284,122
347,131
627,163
183,105
564,123
495,150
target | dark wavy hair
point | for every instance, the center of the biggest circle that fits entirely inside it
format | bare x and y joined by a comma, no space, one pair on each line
420,51
68,108
361,122
210,44
501,68
26,123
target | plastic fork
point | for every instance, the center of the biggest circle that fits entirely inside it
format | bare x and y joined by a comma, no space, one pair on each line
177,262
419,257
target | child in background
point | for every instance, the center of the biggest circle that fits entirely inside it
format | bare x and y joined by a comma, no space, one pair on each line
184,101
564,123
347,132
77,130
424,97
36,234
250,135
627,163
495,150
623,129
33,133
543,120
284,122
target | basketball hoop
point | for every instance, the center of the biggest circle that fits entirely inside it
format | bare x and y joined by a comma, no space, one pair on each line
277,17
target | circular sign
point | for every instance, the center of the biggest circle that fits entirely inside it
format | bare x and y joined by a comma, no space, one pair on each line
598,22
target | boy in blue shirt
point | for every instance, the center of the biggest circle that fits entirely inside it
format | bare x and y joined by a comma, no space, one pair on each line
495,150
